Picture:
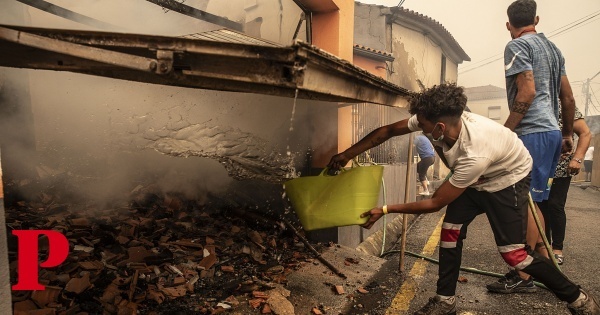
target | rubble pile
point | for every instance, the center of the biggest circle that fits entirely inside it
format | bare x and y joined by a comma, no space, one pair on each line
157,253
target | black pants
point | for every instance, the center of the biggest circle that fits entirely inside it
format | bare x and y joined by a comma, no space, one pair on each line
553,210
423,166
507,213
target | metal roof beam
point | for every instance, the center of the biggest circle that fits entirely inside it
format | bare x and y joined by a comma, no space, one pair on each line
300,69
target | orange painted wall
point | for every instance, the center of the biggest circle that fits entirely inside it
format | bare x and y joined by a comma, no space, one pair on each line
344,128
373,66
333,31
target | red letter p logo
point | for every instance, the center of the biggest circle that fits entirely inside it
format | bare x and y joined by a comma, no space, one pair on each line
58,249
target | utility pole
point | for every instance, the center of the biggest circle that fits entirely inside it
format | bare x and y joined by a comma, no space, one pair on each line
586,90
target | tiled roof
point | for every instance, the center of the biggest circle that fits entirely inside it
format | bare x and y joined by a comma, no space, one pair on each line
434,25
484,92
441,30
230,36
373,53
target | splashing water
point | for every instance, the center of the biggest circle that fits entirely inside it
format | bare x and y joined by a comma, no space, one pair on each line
293,111
244,155
290,165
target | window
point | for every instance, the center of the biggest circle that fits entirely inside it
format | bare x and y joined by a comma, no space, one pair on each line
494,112
443,70
367,117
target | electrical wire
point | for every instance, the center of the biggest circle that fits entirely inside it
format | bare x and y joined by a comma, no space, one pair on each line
561,30
554,33
564,28
594,105
594,94
576,26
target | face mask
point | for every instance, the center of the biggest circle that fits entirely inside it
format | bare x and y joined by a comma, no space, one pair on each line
430,135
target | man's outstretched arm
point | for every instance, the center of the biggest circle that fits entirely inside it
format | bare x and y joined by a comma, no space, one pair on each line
441,198
373,139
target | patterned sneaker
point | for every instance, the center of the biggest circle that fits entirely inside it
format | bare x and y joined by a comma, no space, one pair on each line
587,306
560,259
436,306
512,283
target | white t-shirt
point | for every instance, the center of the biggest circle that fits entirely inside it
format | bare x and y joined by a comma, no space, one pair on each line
589,154
486,156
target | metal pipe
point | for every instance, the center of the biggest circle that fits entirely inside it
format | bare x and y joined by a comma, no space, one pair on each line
407,186
541,231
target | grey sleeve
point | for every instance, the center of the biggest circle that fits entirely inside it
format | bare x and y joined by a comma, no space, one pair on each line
516,58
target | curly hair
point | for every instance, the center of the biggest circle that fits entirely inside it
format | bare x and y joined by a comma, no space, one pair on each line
521,13
444,100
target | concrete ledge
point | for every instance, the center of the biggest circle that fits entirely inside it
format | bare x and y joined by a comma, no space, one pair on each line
373,244
393,231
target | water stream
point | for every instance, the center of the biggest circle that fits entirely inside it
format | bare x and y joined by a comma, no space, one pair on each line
292,174
243,154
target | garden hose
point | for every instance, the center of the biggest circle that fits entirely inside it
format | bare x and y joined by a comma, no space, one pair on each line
467,269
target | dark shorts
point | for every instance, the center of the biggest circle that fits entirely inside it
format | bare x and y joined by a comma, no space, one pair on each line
544,148
587,165
423,166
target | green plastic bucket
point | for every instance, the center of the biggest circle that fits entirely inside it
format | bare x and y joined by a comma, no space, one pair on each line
325,201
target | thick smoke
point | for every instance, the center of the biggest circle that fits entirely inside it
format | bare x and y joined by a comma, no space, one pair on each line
101,138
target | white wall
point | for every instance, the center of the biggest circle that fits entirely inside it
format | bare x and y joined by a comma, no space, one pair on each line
482,107
417,57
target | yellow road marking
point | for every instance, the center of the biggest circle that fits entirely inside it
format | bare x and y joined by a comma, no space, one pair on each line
408,289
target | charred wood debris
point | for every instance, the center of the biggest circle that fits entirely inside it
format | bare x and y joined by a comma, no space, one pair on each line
156,253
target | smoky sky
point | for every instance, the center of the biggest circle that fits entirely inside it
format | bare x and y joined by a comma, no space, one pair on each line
479,28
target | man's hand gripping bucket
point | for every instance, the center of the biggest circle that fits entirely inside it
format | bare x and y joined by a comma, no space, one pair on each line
335,200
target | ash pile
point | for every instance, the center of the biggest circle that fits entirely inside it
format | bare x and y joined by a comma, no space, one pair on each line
157,253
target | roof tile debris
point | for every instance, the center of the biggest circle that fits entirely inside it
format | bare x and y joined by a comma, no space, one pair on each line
135,258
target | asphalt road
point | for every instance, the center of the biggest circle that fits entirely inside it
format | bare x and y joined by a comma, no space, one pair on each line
582,264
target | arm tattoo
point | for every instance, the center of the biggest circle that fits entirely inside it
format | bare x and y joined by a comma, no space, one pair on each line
521,107
377,141
528,75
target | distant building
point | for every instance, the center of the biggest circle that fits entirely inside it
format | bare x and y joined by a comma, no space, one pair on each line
407,48
489,101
